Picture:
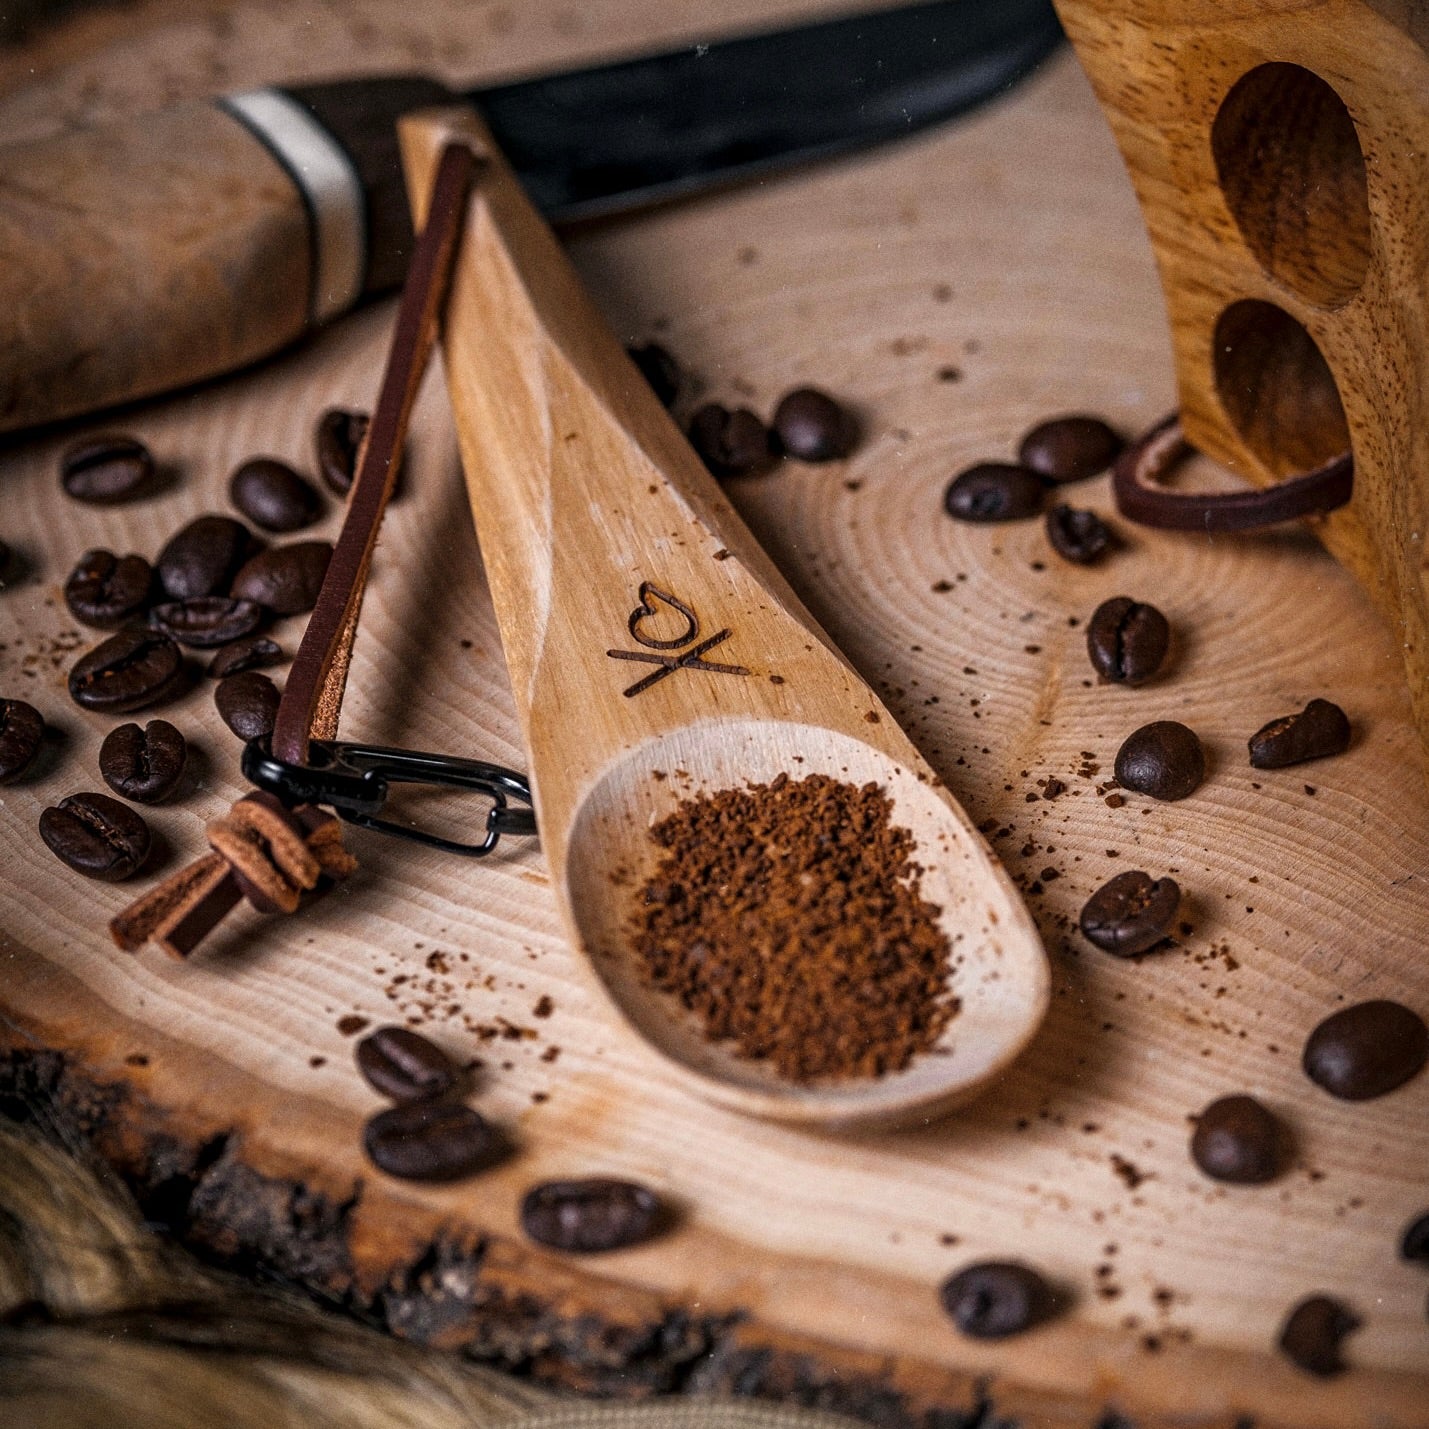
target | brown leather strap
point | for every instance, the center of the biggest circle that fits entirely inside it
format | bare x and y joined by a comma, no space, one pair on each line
1153,456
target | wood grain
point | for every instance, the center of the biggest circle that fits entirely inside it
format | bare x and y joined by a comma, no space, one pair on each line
1006,250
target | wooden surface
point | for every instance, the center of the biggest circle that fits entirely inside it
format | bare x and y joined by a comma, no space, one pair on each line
1006,250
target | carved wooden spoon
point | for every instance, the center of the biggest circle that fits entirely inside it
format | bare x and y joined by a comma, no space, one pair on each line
655,651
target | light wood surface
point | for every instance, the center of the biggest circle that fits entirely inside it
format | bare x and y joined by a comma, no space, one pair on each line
1009,248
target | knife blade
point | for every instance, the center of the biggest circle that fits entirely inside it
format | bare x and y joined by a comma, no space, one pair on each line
149,255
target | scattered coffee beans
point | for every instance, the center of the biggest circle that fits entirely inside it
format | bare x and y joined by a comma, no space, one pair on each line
144,765
248,703
1078,536
1319,730
272,495
1070,448
200,559
659,369
105,470
1237,1139
1163,759
993,491
1414,1245
590,1215
207,620
810,425
729,443
404,1065
1311,1335
1127,640
1366,1050
96,836
286,579
257,652
429,1141
131,670
339,439
992,1299
22,732
1130,913
105,590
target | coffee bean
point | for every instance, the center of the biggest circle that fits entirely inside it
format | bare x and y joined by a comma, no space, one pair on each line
106,590
590,1215
5,554
144,765
404,1065
286,579
995,1298
810,425
339,438
1414,1244
248,703
429,1141
105,470
1069,448
993,491
1163,759
131,670
659,369
96,836
730,443
22,732
272,495
257,652
200,559
1127,640
1078,536
1130,913
207,620
1311,1335
1237,1139
1319,730
1366,1050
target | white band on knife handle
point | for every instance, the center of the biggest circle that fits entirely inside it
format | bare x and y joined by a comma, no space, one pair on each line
330,189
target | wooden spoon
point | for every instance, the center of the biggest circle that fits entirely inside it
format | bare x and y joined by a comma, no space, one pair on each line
655,651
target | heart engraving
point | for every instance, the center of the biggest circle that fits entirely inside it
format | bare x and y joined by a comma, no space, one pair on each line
666,665
646,610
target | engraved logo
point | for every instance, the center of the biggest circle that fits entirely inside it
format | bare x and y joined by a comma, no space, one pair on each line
692,659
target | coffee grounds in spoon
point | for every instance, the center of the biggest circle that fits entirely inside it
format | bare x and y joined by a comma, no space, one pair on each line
788,917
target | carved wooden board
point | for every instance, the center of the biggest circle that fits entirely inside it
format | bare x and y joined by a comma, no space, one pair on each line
955,288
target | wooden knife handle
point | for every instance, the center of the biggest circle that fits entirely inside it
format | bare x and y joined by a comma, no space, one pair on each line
183,244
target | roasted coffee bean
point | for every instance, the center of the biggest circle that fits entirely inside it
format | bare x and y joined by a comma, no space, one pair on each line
339,438
1311,1335
1414,1244
1130,913
659,369
106,590
285,580
1237,1139
105,470
1163,759
96,836
1319,730
144,765
995,1298
1127,640
272,495
1366,1050
993,491
131,670
207,620
22,732
5,554
404,1065
248,703
201,558
257,652
730,443
1078,536
590,1215
1069,448
429,1141
810,425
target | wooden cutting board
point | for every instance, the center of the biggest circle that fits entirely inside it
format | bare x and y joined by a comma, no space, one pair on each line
955,289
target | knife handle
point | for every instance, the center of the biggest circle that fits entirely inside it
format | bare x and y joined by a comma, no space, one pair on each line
182,244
